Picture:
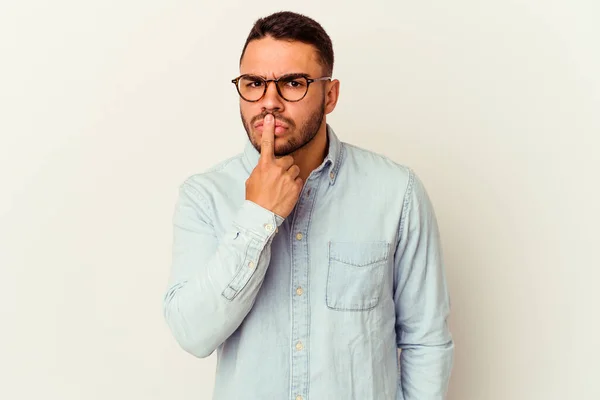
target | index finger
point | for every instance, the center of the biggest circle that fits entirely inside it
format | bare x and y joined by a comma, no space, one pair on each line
267,145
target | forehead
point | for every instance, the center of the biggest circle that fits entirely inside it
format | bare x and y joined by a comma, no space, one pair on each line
272,58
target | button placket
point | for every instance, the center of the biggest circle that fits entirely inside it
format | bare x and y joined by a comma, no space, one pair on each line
300,295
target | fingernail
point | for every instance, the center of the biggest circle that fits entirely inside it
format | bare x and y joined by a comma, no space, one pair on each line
269,118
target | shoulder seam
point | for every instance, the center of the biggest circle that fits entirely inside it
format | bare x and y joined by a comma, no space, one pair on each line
407,201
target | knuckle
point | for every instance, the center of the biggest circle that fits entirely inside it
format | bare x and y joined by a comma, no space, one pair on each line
286,160
265,163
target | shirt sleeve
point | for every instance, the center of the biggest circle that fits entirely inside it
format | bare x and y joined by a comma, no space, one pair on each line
214,281
422,301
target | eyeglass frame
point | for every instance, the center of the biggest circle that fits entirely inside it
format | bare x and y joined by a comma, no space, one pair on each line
267,81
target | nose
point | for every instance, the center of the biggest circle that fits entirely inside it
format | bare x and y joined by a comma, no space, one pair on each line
271,101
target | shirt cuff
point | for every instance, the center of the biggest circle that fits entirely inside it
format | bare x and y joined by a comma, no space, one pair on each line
257,220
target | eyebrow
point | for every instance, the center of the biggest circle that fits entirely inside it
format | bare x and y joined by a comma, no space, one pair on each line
289,75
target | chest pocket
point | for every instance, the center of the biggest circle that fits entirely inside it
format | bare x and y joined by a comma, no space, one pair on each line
355,274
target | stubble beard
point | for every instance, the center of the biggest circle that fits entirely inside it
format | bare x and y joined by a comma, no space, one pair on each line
298,137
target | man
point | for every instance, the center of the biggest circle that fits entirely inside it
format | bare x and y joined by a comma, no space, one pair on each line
307,262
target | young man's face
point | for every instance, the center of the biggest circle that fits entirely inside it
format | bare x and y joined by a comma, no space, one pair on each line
297,123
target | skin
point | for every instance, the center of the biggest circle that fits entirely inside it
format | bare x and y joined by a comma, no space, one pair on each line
287,155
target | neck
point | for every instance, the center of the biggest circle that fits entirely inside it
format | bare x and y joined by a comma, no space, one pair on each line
310,156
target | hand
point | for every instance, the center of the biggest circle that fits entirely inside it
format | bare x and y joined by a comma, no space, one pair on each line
274,183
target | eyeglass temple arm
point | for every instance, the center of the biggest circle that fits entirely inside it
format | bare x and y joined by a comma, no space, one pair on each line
324,78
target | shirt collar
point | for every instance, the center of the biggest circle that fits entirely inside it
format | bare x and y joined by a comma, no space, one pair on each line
331,163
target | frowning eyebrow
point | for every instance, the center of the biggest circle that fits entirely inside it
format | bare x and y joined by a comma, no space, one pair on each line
290,75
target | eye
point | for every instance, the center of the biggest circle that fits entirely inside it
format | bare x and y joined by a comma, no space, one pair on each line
251,82
254,83
295,83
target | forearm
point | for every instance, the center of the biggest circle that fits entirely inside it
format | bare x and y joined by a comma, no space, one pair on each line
203,308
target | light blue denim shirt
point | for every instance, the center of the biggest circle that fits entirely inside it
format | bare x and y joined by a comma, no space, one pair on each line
313,306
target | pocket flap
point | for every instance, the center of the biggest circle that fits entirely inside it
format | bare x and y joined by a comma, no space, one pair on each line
359,254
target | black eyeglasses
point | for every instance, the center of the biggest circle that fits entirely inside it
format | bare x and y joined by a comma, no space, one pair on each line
292,87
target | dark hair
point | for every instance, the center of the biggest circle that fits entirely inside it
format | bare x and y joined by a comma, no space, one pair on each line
286,25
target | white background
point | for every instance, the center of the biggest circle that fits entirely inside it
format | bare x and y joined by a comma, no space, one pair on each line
106,106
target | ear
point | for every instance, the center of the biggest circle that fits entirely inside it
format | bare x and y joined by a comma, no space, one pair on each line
331,96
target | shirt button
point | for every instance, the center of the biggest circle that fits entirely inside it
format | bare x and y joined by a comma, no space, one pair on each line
299,291
299,346
251,264
298,236
331,175
298,397
269,227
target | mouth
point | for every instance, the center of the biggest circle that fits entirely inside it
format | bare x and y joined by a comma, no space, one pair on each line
280,127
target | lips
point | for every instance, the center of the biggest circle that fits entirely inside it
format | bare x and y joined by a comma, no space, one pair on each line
278,124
